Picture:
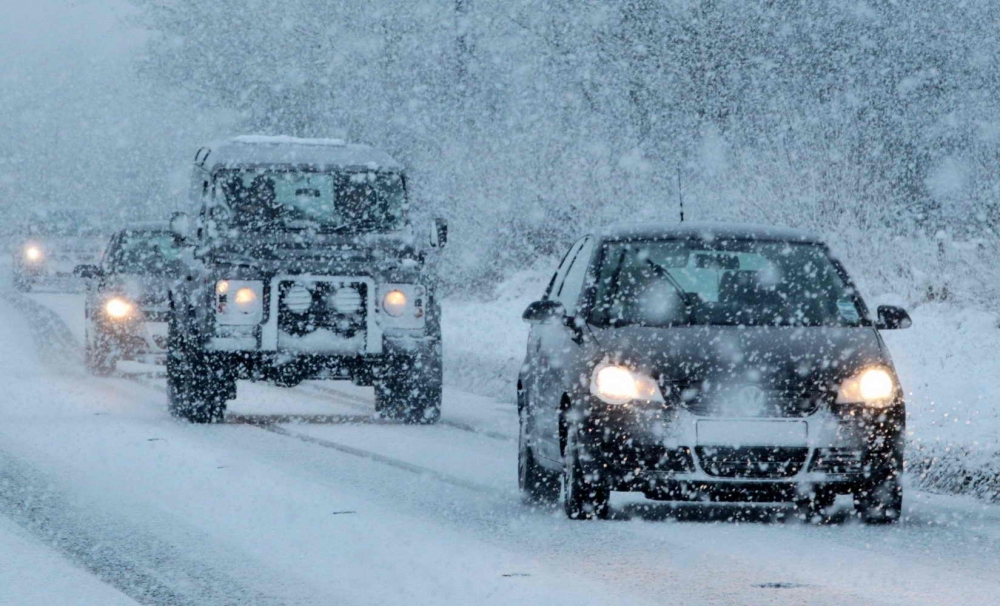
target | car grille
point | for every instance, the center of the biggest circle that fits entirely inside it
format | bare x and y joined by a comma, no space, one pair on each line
752,463
305,307
769,403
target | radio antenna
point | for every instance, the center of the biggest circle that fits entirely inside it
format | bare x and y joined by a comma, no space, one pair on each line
680,192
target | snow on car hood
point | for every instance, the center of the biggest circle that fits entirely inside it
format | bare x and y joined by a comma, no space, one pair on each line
777,357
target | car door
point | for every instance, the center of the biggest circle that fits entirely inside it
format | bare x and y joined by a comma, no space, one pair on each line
559,348
535,359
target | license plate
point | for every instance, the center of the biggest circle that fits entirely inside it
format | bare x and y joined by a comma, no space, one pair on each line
752,433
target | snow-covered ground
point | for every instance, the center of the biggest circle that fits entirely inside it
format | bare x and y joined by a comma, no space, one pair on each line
305,498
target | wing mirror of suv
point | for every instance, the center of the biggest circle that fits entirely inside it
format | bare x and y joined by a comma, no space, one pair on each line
180,226
87,272
891,317
439,235
543,311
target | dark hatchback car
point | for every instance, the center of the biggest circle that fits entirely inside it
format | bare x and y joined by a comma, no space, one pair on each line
127,297
709,362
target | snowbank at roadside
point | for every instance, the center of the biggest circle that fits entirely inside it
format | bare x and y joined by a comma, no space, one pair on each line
948,364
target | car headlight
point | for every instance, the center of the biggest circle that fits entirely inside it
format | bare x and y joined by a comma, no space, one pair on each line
239,301
394,303
33,253
619,385
118,308
872,386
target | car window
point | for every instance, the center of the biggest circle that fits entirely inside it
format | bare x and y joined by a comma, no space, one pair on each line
569,290
557,279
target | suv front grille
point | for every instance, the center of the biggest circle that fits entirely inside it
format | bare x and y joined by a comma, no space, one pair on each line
757,462
305,307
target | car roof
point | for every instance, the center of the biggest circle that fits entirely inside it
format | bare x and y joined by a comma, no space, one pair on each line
705,231
258,150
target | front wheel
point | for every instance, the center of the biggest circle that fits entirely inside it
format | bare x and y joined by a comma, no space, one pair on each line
584,496
410,388
194,390
538,485
881,503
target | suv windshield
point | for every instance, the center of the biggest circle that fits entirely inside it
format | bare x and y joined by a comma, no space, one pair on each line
327,201
735,282
145,253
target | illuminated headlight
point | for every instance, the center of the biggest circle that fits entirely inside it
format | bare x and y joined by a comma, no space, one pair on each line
239,301
619,385
394,303
873,386
33,253
117,308
245,299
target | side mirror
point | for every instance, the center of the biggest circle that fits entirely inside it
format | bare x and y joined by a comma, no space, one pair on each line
87,272
543,311
439,235
180,225
891,317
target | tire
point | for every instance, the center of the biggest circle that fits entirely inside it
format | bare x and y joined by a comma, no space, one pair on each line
882,502
538,485
583,498
814,506
194,390
99,358
410,388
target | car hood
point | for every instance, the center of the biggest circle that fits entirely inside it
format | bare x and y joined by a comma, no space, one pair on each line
771,357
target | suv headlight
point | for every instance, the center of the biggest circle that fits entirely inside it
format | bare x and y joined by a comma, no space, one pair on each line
874,386
239,301
616,384
403,304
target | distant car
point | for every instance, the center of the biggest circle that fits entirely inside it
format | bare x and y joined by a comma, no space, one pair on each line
51,244
127,301
709,362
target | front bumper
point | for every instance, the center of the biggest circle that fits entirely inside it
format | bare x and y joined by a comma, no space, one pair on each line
140,340
668,452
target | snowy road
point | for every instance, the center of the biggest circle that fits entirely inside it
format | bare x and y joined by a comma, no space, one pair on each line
305,498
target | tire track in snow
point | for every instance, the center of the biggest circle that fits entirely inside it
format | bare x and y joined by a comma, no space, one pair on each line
140,565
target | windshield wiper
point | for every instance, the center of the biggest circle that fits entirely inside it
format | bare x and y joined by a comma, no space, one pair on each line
685,298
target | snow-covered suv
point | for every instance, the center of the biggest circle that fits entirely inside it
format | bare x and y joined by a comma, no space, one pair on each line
709,362
301,263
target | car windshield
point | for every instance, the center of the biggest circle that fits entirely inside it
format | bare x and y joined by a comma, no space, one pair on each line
145,253
326,201
735,282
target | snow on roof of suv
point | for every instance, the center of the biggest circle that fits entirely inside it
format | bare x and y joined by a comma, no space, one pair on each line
283,150
707,231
